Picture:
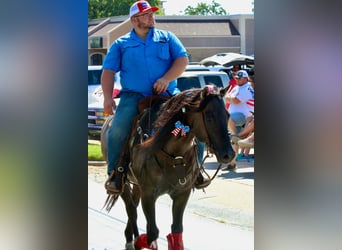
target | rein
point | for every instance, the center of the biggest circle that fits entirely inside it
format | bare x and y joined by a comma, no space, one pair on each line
203,169
208,144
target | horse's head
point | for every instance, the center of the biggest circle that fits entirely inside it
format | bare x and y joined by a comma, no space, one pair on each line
204,111
210,123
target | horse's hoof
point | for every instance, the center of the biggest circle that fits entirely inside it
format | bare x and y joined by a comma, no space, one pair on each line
154,245
130,246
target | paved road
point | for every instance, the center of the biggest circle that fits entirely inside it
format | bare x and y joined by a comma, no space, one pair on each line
220,218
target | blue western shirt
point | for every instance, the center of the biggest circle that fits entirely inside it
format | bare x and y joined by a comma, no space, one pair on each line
141,62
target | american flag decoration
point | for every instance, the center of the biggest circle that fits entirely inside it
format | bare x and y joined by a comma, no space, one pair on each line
211,88
180,128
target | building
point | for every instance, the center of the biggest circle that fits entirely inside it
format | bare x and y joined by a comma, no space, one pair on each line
202,36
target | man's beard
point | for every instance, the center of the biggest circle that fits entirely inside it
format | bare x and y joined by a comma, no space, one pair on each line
145,26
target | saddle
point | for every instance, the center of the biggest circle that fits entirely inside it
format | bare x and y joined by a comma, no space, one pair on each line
150,101
148,113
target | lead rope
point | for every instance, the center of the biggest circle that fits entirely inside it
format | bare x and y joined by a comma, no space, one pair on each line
203,169
149,116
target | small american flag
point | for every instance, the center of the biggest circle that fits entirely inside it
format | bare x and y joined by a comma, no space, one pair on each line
179,127
176,131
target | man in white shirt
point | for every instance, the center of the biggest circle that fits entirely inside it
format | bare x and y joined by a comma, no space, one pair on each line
241,108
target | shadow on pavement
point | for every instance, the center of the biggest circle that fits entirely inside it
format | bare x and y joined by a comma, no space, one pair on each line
241,172
236,175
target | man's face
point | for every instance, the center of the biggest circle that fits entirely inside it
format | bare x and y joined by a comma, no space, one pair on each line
241,81
145,20
235,69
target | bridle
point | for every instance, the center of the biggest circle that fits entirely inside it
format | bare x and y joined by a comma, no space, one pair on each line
209,146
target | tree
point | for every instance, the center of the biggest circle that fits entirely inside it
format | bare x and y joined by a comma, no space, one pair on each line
108,8
204,9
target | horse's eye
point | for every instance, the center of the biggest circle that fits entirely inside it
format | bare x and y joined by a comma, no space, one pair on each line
209,116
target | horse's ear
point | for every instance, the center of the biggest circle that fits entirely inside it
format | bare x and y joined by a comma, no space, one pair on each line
224,91
204,92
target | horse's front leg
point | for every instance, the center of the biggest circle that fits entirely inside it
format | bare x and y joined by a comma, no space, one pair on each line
131,198
148,205
175,239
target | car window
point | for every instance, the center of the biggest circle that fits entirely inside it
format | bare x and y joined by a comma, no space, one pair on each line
196,69
227,71
94,77
213,80
184,83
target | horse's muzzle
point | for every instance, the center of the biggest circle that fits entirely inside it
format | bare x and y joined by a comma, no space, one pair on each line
225,157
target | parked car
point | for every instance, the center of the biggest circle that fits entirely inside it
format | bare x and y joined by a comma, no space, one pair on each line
96,116
225,61
198,79
94,81
196,67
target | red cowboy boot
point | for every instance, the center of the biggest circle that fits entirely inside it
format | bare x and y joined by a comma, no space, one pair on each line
175,241
141,243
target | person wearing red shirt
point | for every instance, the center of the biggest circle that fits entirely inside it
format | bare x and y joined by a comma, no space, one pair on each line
232,82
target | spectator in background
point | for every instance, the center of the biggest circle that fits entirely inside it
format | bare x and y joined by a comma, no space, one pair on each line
232,81
247,133
245,141
241,107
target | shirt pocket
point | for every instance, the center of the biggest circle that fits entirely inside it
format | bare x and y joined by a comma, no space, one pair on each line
131,50
164,51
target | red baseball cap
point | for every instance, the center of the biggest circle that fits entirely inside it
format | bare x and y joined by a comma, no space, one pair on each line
141,7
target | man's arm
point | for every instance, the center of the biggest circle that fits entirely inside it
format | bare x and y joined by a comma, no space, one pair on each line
232,99
107,84
175,70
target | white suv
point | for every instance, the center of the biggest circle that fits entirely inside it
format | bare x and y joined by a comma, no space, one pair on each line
96,117
198,79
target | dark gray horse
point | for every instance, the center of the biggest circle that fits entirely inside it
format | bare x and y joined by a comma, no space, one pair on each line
166,162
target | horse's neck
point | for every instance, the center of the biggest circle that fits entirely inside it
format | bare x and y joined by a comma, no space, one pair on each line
178,146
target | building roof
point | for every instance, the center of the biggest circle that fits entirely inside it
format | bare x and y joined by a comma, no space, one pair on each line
201,35
180,25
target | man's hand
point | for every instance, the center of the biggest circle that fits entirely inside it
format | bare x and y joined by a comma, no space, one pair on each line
160,85
109,105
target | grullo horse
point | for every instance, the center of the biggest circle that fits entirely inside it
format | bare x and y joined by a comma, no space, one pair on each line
165,162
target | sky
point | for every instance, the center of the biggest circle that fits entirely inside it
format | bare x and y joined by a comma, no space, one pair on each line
173,7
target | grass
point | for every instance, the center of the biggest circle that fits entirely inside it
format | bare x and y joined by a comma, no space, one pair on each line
94,152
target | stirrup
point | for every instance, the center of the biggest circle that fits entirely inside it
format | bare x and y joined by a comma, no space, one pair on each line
112,184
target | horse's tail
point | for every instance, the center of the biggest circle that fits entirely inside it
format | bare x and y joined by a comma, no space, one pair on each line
110,201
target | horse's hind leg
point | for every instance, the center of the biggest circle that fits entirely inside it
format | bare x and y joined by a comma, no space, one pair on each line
131,199
175,239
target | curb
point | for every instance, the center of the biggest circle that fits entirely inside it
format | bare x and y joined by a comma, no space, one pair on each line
94,142
97,163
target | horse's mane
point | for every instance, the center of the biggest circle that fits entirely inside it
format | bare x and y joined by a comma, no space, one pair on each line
172,107
170,112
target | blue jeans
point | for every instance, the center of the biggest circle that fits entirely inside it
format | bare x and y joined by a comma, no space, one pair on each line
121,126
200,151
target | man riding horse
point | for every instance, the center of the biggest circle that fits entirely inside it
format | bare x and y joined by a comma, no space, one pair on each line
148,59
166,162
